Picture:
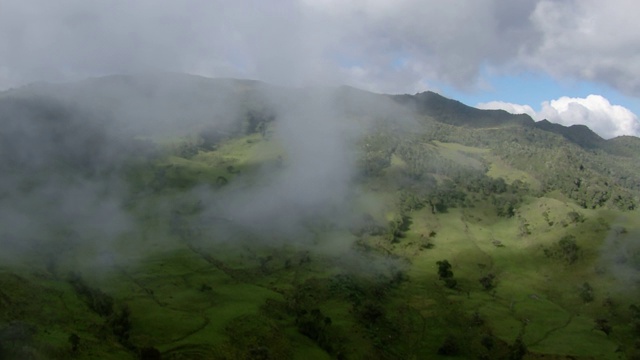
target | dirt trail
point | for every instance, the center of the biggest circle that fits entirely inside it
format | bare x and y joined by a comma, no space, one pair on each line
551,331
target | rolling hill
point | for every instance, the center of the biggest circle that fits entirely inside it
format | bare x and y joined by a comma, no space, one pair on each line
170,216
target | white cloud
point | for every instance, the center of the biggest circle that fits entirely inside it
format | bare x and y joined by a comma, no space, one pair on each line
299,42
588,40
594,111
509,107
294,42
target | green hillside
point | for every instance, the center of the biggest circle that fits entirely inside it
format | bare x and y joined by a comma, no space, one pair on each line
179,217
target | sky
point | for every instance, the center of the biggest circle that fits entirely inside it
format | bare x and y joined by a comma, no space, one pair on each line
570,61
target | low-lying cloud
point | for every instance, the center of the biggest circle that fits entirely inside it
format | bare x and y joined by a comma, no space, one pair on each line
595,111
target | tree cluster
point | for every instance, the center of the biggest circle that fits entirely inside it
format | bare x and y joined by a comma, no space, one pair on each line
446,274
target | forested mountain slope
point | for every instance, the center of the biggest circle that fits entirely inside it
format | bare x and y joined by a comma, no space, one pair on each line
171,216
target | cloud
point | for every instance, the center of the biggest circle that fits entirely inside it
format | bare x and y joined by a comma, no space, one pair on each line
594,111
509,107
294,43
585,40
381,45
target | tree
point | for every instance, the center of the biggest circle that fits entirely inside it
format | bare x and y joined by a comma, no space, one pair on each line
445,274
518,349
449,347
569,248
221,181
566,249
635,317
586,292
604,326
487,281
451,283
74,340
120,323
150,353
254,337
575,217
444,269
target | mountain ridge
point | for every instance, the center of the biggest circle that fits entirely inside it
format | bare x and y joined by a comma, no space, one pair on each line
427,103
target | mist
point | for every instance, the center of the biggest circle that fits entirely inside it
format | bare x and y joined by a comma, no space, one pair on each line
67,150
620,254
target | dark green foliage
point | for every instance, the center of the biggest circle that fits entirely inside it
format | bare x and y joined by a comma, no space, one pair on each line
349,288
221,181
524,229
453,112
398,228
150,353
566,250
419,160
443,199
569,249
545,215
120,324
575,217
487,341
445,196
376,154
506,205
316,326
518,349
446,274
370,313
635,318
487,281
624,200
451,283
254,337
98,301
413,199
310,321
476,319
603,325
604,179
449,347
187,148
367,225
444,269
74,341
478,182
232,170
586,292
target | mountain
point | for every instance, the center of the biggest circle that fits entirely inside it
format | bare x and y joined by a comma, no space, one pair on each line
456,113
171,216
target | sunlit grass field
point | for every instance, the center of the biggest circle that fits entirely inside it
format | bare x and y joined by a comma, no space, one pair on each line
195,296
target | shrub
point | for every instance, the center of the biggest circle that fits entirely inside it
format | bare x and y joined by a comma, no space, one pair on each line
586,292
487,281
449,347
